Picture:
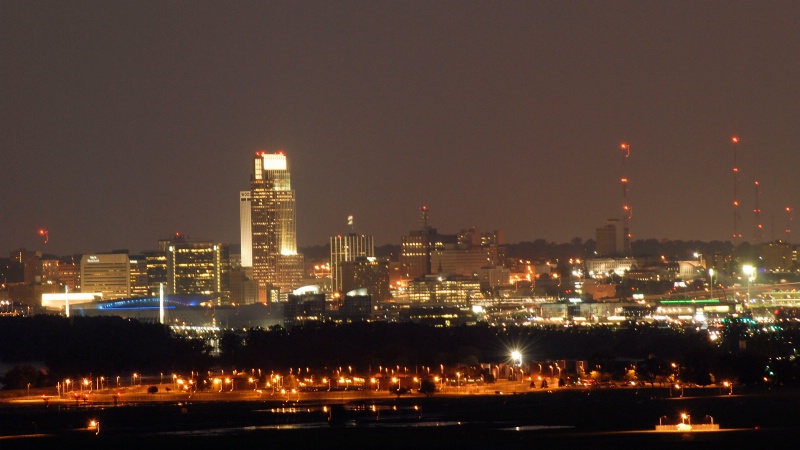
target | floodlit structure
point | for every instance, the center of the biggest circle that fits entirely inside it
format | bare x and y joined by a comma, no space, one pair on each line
108,274
277,266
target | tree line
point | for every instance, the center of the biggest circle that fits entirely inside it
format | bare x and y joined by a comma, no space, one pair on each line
80,346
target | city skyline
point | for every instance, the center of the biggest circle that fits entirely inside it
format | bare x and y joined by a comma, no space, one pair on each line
124,123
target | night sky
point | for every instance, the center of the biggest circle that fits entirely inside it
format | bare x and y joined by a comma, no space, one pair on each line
122,122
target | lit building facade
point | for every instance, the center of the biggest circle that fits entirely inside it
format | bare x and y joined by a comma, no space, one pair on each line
371,274
455,290
245,206
69,273
777,256
198,268
156,262
416,249
348,248
107,274
277,266
139,285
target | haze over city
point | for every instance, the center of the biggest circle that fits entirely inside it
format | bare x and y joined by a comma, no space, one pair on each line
124,122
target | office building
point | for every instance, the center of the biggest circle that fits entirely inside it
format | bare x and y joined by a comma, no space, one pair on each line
245,206
371,274
139,282
198,268
610,239
348,248
156,262
277,266
107,274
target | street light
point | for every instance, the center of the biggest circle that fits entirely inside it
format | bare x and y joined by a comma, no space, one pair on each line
711,282
728,385
750,271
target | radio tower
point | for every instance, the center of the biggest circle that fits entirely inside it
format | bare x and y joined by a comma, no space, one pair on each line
423,218
737,236
789,213
627,212
759,231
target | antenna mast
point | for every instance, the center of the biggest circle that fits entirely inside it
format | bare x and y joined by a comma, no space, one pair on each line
737,237
759,231
627,212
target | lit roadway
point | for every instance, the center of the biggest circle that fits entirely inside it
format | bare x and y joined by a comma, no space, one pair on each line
138,394
739,292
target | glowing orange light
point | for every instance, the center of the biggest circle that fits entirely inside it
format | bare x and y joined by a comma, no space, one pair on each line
624,180
735,203
735,139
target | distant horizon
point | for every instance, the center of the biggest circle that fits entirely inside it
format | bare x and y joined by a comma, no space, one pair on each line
305,247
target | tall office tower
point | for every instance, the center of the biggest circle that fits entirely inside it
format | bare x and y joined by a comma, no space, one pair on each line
156,261
198,268
610,238
369,273
245,205
277,267
31,262
69,273
108,274
415,249
138,275
348,248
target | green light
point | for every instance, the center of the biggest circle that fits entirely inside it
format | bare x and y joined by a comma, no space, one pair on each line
686,302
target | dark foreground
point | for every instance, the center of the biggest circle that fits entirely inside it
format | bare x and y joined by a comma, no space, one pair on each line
619,418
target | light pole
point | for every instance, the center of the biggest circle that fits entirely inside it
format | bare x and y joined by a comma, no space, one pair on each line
711,282
750,271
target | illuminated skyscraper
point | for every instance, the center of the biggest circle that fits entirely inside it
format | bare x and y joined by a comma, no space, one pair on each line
198,267
277,267
245,206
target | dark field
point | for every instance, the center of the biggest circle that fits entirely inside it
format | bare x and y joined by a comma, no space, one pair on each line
597,418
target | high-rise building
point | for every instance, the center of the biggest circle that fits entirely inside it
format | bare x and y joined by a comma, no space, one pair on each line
277,267
69,273
107,274
156,261
348,248
138,275
610,238
245,206
368,273
198,268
